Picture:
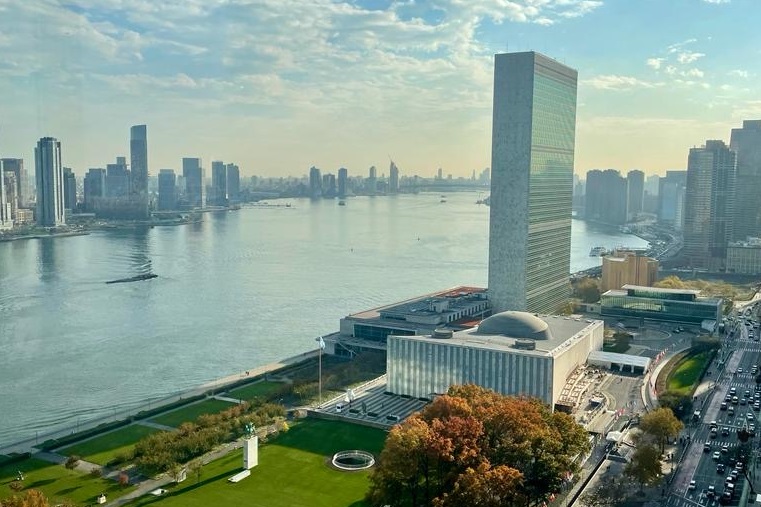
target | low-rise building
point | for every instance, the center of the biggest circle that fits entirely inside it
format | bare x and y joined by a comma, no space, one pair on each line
744,257
671,305
628,267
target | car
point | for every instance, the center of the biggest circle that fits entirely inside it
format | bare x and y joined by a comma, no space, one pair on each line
692,485
707,447
724,449
739,371
731,411
721,468
340,407
732,391
747,393
752,429
757,406
713,433
716,455
711,491
713,424
734,474
724,405
743,401
749,416
725,431
735,400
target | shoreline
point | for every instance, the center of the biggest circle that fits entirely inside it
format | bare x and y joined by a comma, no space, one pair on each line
4,239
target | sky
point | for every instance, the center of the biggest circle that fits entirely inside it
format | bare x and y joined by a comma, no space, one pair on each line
277,86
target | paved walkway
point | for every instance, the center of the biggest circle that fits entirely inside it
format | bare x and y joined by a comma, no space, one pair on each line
649,396
227,398
151,424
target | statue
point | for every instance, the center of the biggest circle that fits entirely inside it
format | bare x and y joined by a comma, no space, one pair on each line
250,429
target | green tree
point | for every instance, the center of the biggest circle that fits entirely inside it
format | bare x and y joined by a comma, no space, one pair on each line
661,425
645,465
587,289
679,404
609,493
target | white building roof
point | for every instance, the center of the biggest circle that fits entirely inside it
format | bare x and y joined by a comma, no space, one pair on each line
614,357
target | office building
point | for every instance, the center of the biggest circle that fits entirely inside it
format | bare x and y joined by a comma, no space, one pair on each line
49,176
343,177
167,190
329,185
6,222
11,197
371,184
16,166
138,151
670,305
533,134
746,143
513,353
315,183
69,189
94,187
393,178
635,182
709,205
233,183
218,195
606,197
744,257
671,189
628,267
118,179
195,188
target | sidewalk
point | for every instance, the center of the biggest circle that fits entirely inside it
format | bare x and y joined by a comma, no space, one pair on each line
649,396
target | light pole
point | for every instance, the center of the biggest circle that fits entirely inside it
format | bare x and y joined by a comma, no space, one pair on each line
321,343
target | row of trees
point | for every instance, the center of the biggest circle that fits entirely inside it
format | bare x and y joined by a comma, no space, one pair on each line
30,498
165,451
476,447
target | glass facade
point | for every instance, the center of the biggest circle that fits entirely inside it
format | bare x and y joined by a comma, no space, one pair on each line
619,304
551,186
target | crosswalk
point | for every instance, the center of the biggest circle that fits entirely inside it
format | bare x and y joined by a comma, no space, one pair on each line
691,499
717,444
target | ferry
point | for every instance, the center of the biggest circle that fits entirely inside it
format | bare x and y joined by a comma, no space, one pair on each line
342,203
597,251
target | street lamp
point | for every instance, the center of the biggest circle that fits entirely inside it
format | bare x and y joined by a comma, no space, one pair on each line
321,346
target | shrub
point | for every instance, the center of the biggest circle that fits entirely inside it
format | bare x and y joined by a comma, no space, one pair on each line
71,462
16,486
96,472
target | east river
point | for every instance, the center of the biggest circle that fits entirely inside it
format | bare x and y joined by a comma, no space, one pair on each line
237,290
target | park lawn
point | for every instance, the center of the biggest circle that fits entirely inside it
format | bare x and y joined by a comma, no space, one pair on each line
292,472
104,448
262,389
687,373
58,483
191,412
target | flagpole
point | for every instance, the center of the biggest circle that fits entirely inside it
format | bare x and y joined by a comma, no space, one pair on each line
319,380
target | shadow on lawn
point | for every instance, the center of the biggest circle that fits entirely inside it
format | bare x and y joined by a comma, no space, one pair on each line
325,438
186,489
39,484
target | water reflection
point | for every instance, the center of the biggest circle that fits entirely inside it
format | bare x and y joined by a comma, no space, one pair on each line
47,267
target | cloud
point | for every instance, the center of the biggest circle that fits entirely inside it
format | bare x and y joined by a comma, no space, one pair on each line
739,73
686,57
614,82
655,63
716,1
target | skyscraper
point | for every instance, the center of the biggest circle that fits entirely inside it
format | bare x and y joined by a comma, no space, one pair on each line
5,208
709,205
343,176
167,190
533,135
635,182
393,178
372,180
233,183
606,196
746,143
138,151
315,183
16,166
11,189
69,189
192,172
94,188
671,190
218,183
49,176
118,179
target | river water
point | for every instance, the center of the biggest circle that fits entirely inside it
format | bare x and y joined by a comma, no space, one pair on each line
238,290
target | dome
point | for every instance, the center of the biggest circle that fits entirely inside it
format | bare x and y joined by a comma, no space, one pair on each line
515,325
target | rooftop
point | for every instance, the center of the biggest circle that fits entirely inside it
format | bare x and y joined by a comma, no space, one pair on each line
420,305
660,289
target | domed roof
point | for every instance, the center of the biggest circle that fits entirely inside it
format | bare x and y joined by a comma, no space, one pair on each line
516,325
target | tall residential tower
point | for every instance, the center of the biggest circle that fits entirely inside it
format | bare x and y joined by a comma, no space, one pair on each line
746,143
49,175
533,135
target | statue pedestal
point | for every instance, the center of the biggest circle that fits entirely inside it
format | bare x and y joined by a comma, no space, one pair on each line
250,452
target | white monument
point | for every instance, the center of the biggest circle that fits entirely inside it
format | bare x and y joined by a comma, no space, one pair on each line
250,449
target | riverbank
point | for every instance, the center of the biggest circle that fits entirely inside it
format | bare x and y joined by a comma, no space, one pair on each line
11,237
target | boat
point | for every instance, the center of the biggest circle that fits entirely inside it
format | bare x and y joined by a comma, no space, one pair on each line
443,200
597,251
136,278
342,203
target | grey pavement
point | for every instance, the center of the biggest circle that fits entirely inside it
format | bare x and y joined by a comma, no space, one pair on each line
151,424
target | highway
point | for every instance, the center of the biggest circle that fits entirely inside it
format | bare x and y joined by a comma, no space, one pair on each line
711,456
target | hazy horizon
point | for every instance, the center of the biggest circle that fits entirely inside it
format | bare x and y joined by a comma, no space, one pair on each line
277,87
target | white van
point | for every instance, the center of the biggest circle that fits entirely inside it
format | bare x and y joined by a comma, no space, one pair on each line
340,407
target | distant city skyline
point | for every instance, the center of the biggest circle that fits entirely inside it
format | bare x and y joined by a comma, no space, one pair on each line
345,84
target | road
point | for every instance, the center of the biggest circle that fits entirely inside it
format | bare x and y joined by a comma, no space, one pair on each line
732,369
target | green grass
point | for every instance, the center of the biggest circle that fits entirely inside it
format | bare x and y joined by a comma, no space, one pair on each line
191,412
292,472
104,448
687,373
263,390
58,483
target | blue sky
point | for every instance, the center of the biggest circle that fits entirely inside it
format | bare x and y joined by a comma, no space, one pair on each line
279,85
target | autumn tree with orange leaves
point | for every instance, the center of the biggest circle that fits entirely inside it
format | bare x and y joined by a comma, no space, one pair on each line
480,448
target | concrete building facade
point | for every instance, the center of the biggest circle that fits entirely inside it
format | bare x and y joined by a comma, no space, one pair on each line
94,187
393,178
625,267
233,183
343,179
744,257
746,143
69,189
671,194
6,222
49,176
167,190
533,140
513,353
195,186
138,151
218,195
16,166
635,183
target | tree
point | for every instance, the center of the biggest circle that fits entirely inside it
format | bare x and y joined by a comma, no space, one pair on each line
661,425
679,404
645,466
587,289
71,462
477,447
670,282
32,498
607,494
